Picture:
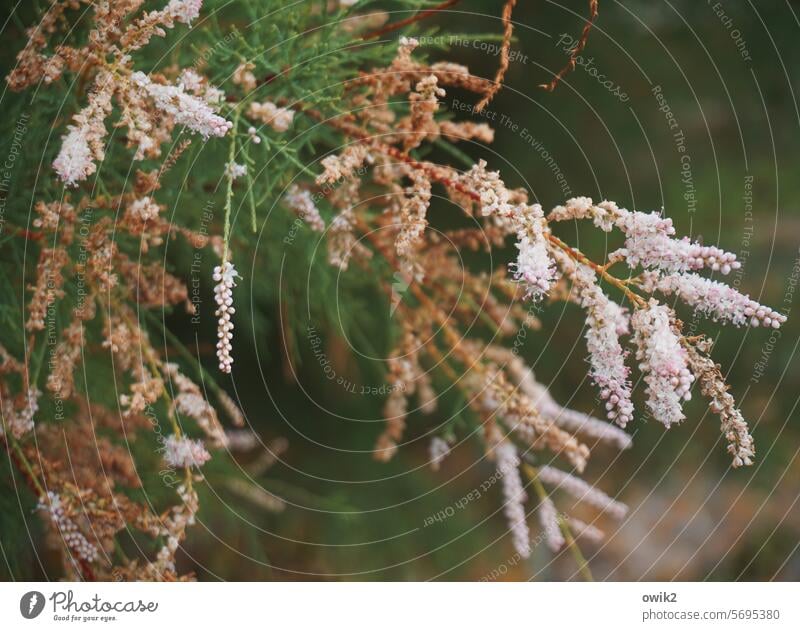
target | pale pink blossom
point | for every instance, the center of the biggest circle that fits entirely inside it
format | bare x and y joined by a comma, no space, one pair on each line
191,81
585,531
180,452
606,321
242,439
235,171
225,276
649,241
534,266
715,299
17,420
438,450
570,420
514,496
252,133
72,537
144,208
603,215
548,518
279,118
75,161
184,108
581,491
194,405
663,361
301,202
184,10
495,198
84,142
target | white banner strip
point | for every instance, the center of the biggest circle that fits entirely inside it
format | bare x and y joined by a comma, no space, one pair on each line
400,606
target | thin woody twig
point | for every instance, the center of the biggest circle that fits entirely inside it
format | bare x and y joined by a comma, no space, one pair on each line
504,57
576,50
422,15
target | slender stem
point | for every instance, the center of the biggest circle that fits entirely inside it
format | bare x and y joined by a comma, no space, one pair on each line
576,50
583,564
229,191
426,13
18,456
601,270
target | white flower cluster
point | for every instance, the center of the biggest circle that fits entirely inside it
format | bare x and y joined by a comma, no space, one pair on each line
85,140
252,133
75,160
225,276
438,450
495,198
194,405
180,452
235,171
664,362
144,208
72,537
184,108
585,531
184,11
548,518
534,266
514,495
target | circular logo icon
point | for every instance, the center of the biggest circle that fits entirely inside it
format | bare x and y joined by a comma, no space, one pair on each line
31,604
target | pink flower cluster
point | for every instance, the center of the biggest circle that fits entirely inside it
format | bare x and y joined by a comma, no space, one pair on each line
649,238
301,202
606,322
664,362
649,243
715,299
541,399
494,197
